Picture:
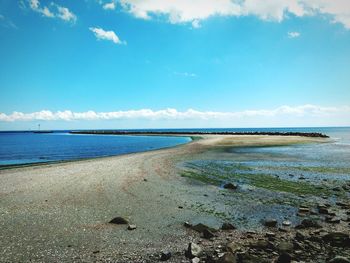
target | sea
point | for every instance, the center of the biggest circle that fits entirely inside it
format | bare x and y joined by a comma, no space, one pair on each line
19,148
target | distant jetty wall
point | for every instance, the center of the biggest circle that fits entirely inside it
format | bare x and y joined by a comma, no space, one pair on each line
111,132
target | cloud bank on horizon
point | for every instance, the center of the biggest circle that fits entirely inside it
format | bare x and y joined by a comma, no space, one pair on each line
303,111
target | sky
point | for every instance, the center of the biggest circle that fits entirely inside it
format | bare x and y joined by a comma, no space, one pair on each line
95,64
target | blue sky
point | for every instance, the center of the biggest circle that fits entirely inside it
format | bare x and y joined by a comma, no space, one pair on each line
151,63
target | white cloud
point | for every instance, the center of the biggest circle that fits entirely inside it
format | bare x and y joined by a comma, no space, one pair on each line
65,14
109,6
46,12
184,11
304,111
106,35
274,10
56,11
35,5
293,34
196,24
180,11
339,10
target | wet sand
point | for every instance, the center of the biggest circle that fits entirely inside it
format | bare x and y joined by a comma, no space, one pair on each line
60,212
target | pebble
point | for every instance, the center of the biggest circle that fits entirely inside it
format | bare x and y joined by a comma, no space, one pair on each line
193,250
132,227
260,244
323,210
164,256
304,210
232,247
227,257
332,220
187,224
286,223
285,246
270,223
270,234
300,236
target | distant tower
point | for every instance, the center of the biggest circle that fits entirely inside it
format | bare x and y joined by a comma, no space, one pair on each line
39,126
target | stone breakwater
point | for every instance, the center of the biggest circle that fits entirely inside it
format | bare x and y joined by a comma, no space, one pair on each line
191,133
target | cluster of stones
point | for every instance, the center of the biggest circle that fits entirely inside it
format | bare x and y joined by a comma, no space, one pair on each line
322,235
307,242
312,240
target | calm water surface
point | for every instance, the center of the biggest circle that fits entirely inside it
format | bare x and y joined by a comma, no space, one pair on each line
26,148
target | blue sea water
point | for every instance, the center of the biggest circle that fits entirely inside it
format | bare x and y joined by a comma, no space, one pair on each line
26,147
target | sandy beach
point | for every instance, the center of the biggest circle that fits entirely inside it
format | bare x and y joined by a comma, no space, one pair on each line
60,212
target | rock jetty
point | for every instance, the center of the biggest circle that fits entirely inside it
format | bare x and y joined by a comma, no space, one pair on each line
121,132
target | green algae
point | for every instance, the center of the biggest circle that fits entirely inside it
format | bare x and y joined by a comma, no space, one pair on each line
218,173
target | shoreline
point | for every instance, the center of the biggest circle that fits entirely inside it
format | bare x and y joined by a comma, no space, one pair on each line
193,136
61,211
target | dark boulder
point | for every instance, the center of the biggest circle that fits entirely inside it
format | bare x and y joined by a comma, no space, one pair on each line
284,258
201,227
308,223
230,186
119,221
208,234
227,226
